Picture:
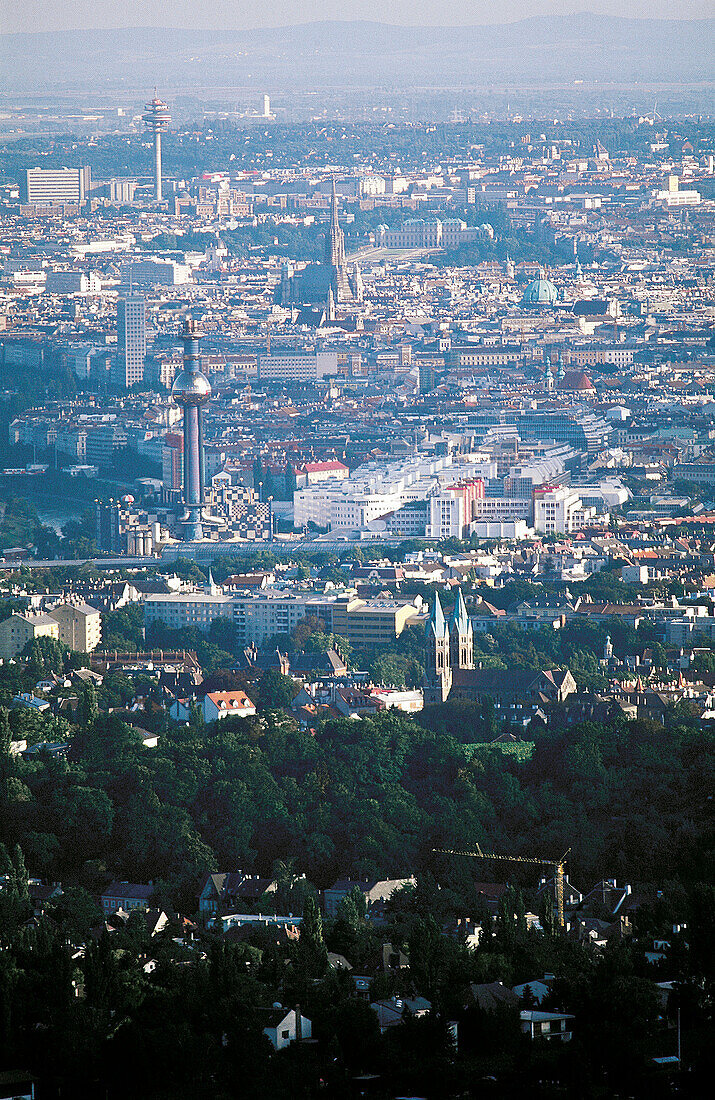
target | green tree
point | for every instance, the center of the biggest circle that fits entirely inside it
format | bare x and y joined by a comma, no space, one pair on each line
275,690
76,913
88,709
311,929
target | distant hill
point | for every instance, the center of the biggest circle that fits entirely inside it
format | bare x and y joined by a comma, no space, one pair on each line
542,50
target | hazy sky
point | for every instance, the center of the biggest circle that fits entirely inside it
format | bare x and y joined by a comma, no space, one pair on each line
51,15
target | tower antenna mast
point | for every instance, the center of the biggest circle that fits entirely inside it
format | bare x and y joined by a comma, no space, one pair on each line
156,119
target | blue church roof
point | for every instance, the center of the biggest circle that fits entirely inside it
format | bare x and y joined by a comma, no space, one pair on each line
436,624
460,618
541,292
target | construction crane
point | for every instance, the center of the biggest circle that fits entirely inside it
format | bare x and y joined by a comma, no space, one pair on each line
558,865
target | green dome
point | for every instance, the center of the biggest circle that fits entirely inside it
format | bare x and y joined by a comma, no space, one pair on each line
540,293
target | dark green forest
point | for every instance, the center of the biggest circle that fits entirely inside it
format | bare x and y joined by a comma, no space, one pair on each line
370,798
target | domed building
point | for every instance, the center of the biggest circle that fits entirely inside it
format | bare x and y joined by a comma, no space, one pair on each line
540,292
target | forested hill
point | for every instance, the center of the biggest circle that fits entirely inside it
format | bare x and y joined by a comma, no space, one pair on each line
368,798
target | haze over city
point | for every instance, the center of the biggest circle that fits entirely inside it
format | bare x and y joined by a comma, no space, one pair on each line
34,15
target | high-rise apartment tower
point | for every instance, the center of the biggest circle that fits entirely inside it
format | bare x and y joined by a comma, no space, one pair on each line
131,341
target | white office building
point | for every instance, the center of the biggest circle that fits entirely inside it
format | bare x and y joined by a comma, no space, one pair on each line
262,615
297,366
72,282
371,491
559,510
142,274
46,186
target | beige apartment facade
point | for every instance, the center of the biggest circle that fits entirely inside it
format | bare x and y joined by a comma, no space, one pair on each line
80,626
18,630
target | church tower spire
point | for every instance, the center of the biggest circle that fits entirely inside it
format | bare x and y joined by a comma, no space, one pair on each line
438,667
461,635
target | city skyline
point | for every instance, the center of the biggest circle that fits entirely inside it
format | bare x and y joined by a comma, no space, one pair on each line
357,545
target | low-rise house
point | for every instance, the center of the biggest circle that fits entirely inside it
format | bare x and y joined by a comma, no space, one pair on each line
375,892
489,894
285,1026
224,891
361,985
598,932
30,702
127,896
492,996
606,897
546,1025
549,885
308,666
393,958
355,704
467,931
221,704
391,1011
41,895
288,924
16,1084
87,676
538,988
336,961
180,709
409,701
57,749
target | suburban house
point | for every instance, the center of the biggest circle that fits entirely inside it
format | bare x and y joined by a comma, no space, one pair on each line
286,1026
180,709
220,704
225,892
491,996
30,702
127,896
546,1025
376,893
390,1012
352,703
57,749
41,895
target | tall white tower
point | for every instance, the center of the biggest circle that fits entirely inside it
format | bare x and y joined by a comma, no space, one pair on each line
156,119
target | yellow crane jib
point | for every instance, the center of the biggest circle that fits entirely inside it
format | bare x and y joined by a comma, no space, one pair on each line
558,865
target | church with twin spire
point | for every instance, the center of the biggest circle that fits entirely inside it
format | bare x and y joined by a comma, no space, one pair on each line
450,673
449,649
